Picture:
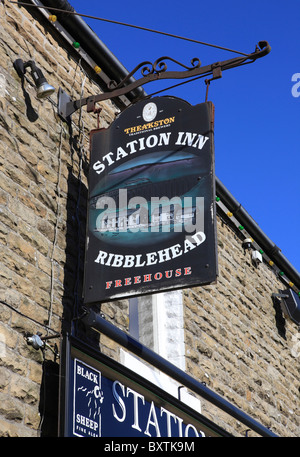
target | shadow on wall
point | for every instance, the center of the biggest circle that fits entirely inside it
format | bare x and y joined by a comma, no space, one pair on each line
49,399
75,246
72,300
31,114
279,318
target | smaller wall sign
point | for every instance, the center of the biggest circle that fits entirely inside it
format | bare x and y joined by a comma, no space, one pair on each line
88,398
105,399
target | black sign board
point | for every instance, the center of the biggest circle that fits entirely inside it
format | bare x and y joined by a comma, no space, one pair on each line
151,210
106,399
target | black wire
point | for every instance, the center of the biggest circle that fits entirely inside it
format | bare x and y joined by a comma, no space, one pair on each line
130,25
26,317
175,85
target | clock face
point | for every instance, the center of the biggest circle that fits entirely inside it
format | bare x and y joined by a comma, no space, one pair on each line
149,111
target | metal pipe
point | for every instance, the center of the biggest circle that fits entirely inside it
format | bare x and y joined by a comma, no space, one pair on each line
95,321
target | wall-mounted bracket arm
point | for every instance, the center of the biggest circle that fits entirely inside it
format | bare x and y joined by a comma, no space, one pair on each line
154,72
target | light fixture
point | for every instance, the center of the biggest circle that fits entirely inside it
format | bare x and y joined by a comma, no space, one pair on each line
256,258
35,341
43,88
247,243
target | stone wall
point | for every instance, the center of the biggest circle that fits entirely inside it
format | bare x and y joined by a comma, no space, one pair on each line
239,343
42,219
233,342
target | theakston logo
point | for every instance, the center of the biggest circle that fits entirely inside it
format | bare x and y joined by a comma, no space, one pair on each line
150,125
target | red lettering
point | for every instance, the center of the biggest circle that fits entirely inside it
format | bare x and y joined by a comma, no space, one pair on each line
187,271
169,274
158,276
147,278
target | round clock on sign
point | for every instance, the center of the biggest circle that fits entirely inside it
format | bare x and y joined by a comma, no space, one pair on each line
149,111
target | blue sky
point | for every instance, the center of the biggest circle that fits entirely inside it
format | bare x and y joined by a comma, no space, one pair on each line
257,118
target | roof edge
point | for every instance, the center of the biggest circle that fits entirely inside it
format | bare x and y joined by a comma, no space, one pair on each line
76,26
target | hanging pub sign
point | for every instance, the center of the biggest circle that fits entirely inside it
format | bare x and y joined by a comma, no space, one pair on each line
106,399
151,211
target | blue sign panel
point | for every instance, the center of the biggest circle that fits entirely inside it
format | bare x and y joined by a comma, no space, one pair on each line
88,398
106,407
104,401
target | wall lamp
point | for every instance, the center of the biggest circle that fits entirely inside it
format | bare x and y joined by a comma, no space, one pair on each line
247,243
43,88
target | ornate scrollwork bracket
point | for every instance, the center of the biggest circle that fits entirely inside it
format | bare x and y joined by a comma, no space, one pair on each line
154,72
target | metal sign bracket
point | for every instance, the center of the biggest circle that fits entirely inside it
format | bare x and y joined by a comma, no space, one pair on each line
217,74
154,72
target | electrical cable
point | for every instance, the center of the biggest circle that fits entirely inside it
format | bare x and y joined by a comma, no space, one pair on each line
27,317
58,10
